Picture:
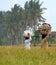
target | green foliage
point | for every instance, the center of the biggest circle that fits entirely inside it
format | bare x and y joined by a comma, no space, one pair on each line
52,38
34,11
14,22
36,38
4,41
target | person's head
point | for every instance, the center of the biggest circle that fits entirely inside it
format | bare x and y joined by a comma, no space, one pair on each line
27,33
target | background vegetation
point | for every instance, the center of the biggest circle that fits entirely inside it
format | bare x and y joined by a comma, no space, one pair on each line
14,22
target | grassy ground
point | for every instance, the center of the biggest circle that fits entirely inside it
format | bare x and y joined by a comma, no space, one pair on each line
15,55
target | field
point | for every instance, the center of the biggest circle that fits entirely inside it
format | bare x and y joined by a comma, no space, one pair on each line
17,55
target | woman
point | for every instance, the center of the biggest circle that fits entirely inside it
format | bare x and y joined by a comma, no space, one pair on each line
27,38
45,31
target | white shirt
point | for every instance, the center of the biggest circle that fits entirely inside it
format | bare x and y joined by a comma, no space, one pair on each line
27,43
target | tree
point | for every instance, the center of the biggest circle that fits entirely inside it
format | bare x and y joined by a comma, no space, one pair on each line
15,21
34,11
1,17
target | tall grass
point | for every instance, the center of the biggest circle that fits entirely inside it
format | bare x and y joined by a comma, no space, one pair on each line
15,55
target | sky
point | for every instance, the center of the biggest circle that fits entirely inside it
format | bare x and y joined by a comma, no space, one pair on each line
50,13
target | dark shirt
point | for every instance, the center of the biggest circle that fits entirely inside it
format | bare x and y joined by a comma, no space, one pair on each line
26,38
44,35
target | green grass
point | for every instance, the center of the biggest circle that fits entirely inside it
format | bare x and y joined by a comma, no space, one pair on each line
15,55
